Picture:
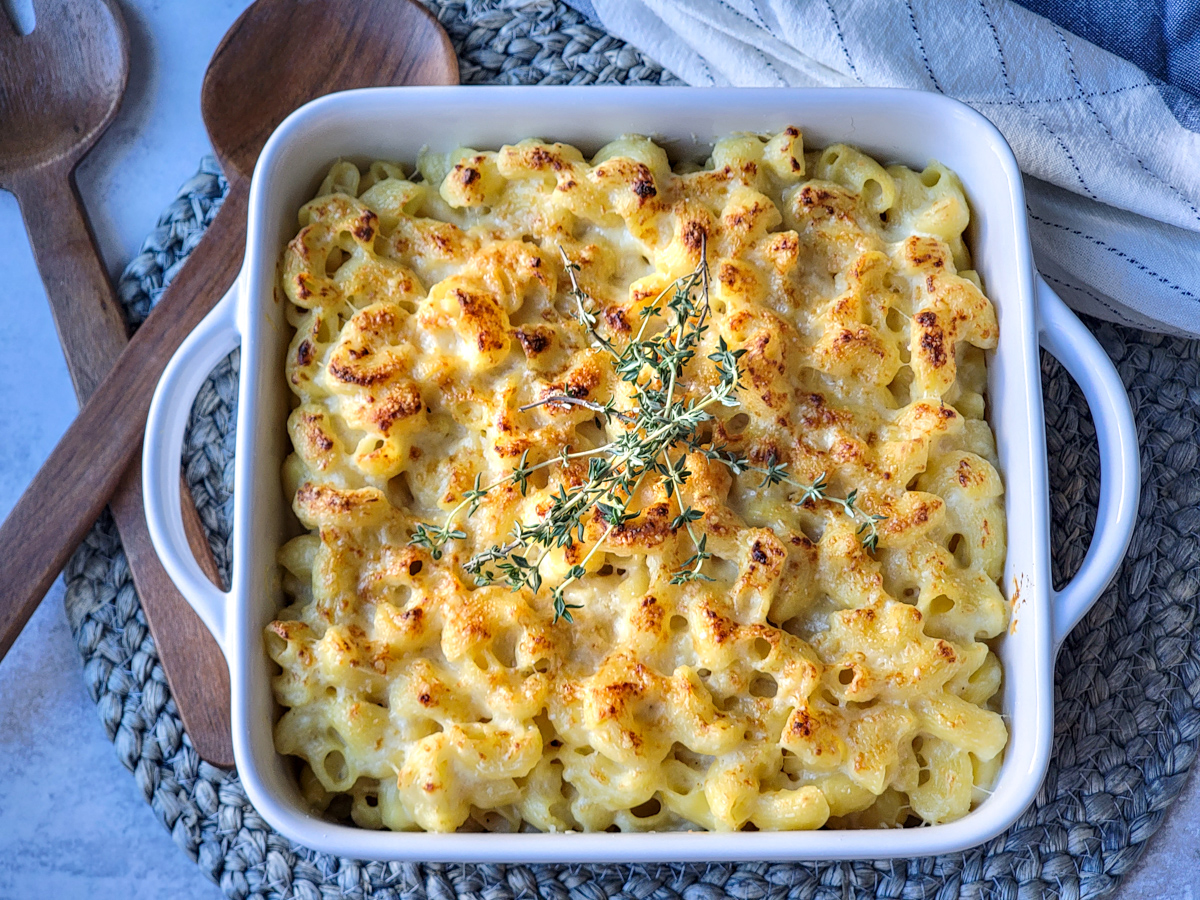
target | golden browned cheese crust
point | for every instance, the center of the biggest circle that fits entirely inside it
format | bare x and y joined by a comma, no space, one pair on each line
811,682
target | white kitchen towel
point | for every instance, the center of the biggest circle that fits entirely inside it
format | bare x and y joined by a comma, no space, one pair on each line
1113,171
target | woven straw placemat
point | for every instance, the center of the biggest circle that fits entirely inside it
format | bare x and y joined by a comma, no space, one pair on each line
1128,680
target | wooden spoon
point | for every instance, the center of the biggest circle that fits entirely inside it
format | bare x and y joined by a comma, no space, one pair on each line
278,55
60,87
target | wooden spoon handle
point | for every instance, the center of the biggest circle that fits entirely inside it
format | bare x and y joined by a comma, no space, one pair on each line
88,317
92,331
91,459
190,656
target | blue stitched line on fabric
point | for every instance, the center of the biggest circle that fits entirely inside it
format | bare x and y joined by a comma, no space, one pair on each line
707,71
1013,94
837,26
1125,256
1125,320
999,50
1031,102
782,81
779,78
1095,115
921,46
741,15
758,12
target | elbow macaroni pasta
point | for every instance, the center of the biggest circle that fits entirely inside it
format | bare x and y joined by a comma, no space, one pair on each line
811,683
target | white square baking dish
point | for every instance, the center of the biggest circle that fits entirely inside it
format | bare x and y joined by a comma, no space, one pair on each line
894,126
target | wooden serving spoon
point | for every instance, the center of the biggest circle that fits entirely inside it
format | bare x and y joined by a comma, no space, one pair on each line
278,55
60,87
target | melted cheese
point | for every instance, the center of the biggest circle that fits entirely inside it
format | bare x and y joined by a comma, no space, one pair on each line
810,682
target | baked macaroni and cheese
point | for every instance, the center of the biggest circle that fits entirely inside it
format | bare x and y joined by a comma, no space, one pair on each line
640,497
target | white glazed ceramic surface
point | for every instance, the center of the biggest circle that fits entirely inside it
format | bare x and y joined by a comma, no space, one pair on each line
395,123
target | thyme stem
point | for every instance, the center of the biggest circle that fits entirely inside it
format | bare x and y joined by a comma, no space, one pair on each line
660,422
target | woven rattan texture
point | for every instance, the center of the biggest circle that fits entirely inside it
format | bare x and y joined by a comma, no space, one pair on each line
1128,680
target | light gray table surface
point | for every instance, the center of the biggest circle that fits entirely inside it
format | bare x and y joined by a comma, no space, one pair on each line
72,822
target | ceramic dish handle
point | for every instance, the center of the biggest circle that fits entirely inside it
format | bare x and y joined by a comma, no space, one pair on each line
215,336
1066,338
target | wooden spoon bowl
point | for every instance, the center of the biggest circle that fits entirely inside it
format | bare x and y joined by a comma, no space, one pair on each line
280,54
61,85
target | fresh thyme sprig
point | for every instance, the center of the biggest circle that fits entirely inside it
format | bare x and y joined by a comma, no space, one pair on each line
654,439
867,532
